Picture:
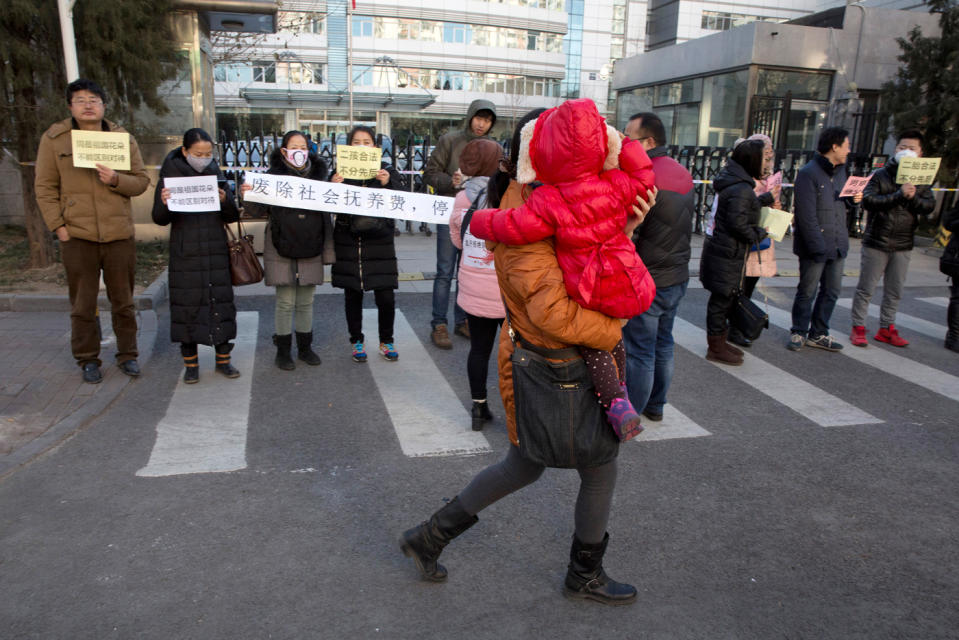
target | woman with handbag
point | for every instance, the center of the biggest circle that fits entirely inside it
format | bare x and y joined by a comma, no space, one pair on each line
724,254
201,289
761,259
297,243
366,258
541,313
477,289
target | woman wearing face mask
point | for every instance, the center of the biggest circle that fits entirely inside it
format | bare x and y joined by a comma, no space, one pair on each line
366,258
297,243
201,290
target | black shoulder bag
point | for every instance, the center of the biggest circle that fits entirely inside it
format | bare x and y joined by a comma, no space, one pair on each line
559,421
746,315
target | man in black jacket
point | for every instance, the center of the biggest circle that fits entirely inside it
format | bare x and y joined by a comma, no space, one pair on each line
820,241
662,241
894,210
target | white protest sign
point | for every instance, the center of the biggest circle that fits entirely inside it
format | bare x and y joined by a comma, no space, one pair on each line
192,195
475,253
301,193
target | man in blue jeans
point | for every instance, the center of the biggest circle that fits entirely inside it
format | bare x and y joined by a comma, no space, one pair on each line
662,241
443,174
820,240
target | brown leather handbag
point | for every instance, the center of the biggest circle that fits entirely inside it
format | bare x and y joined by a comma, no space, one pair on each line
245,267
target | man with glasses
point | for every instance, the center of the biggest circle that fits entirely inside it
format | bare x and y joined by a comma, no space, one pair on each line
663,242
89,211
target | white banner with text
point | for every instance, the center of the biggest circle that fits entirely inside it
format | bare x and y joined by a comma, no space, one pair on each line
301,193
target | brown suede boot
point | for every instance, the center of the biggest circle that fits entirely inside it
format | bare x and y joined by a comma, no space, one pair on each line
718,352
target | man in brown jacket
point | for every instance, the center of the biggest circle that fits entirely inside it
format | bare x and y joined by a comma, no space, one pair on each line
89,210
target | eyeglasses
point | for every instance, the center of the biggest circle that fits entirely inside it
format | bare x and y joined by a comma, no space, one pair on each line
92,102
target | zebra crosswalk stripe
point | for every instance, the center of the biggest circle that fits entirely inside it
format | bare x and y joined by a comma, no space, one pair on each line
893,364
205,426
938,301
806,399
428,417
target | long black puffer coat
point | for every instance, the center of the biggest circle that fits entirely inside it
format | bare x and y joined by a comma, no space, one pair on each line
201,290
737,228
366,262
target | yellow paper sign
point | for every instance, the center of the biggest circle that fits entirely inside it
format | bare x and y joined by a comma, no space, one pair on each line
109,148
918,170
776,221
357,163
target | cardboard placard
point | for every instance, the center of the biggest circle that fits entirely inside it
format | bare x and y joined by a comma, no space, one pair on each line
358,163
917,170
109,148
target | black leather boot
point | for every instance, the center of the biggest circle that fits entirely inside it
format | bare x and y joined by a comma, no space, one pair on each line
304,348
425,542
283,345
586,579
480,414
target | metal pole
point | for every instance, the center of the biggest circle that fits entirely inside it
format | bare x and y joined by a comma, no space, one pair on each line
349,56
69,41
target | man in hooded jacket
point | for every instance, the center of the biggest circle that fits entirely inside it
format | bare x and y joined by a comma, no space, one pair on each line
443,174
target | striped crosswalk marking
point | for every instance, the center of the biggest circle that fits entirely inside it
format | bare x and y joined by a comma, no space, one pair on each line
808,400
910,322
938,301
204,429
428,417
674,424
891,363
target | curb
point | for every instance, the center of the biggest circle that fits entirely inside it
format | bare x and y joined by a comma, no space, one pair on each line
99,402
152,297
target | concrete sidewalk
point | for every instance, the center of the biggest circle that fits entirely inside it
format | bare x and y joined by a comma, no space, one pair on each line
43,400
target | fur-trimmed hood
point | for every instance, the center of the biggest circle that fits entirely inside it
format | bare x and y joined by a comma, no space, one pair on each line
567,143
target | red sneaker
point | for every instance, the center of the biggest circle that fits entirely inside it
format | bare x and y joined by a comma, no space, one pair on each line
858,336
889,335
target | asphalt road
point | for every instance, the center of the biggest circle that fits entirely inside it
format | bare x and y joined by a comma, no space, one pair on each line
767,525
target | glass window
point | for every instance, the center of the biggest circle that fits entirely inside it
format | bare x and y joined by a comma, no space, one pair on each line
362,26
727,107
802,84
679,92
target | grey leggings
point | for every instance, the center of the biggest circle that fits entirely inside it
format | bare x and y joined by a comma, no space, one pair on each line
515,472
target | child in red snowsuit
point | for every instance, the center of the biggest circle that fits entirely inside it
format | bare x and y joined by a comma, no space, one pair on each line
590,180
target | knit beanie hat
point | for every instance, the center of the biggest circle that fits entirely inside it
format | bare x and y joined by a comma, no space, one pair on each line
480,157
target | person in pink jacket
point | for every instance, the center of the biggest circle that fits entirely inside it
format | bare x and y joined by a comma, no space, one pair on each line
591,177
477,288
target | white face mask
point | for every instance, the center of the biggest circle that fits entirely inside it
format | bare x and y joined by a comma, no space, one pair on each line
198,164
906,153
296,157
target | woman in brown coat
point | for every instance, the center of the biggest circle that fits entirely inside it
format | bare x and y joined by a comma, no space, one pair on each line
539,310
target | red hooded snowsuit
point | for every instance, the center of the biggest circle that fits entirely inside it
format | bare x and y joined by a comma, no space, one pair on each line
584,207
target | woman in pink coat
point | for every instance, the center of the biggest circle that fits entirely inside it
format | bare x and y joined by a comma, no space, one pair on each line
477,288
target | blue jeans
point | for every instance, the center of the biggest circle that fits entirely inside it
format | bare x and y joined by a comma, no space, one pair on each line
447,257
648,339
813,319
